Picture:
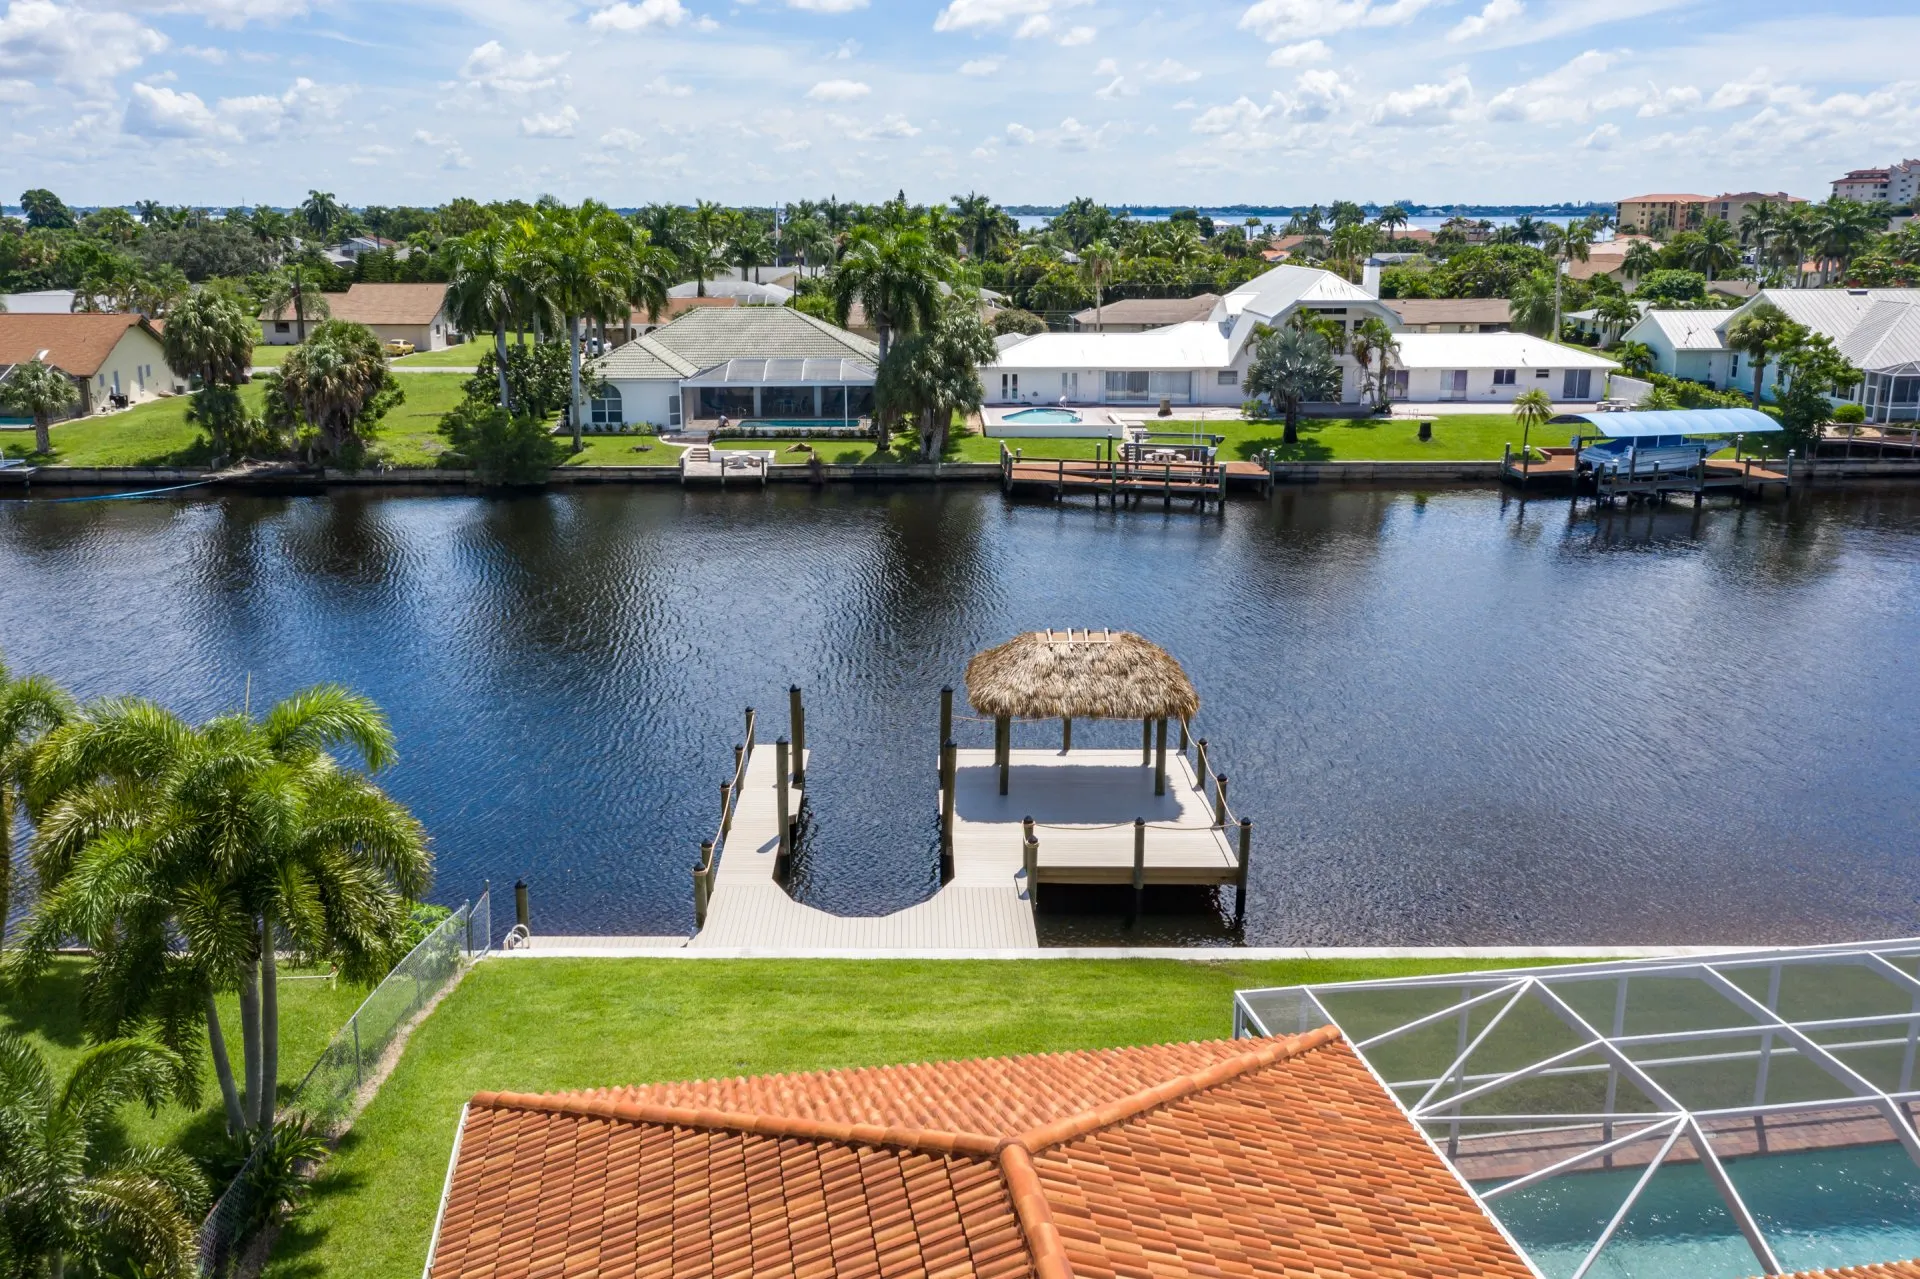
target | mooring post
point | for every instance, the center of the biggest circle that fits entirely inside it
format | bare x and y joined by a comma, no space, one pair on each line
1200,765
726,806
783,781
1220,799
749,728
1003,745
949,766
702,883
797,718
520,915
946,705
1240,881
1139,866
1030,863
1160,756
1146,741
738,752
1066,735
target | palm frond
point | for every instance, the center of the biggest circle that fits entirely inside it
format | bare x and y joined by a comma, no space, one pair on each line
329,715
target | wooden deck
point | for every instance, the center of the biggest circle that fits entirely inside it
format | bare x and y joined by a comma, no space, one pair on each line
703,463
983,909
1198,482
1559,468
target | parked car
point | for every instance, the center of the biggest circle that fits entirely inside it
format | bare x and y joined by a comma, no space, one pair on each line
396,347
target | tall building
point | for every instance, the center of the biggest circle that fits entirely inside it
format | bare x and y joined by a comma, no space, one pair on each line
1661,214
1898,185
1732,206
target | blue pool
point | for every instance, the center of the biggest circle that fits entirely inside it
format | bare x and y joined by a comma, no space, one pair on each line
1043,417
1819,1209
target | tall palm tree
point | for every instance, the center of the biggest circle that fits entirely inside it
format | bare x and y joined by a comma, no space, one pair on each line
42,392
1761,333
1533,304
1617,314
1713,246
706,243
584,275
211,334
1845,228
1096,266
482,292
748,245
292,287
1294,366
1372,337
183,856
1392,218
30,707
895,276
62,1198
321,212
1532,407
936,374
980,224
1565,245
1641,257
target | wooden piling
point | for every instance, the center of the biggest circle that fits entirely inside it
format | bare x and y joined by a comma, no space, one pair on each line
946,703
949,768
1003,748
1220,799
1066,735
703,883
1160,756
1146,741
1240,882
726,806
1139,866
783,782
738,752
1184,740
797,720
1200,764
521,915
1030,863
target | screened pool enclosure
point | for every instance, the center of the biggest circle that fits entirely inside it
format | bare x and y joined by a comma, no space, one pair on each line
1719,1115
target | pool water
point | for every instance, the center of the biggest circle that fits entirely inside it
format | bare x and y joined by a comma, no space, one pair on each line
1044,417
1818,1209
799,423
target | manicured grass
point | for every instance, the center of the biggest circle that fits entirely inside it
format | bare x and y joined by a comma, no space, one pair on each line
545,1025
618,450
836,452
1457,437
47,1013
155,433
409,434
465,355
270,357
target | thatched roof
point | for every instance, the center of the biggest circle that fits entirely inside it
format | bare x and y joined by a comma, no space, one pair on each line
1079,675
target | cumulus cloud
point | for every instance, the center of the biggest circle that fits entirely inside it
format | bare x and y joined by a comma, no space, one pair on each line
661,87
626,16
557,124
1568,94
1669,101
1602,138
1074,36
980,66
839,91
1424,103
234,14
161,111
1317,94
827,6
622,140
1497,13
41,40
1241,116
1169,71
1019,135
1293,55
981,15
890,126
1118,87
491,68
1277,20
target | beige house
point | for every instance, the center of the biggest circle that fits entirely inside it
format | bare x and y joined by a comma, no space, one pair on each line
1136,315
1661,213
413,313
112,359
1453,315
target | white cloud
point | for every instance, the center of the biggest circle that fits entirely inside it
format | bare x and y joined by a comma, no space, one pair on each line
1497,13
978,15
373,154
455,159
234,14
626,16
1568,94
1019,135
827,6
1169,71
160,111
661,87
1317,94
1074,36
846,50
839,91
1074,136
1118,87
427,139
1293,55
492,68
622,140
1277,20
1669,101
216,56
1424,103
1602,138
557,124
891,126
980,66
1241,116
1106,67
1038,25
41,40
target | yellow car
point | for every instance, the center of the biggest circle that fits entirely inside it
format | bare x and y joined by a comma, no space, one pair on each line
397,347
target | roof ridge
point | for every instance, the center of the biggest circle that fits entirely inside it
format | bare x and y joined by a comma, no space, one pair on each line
928,1141
1267,1053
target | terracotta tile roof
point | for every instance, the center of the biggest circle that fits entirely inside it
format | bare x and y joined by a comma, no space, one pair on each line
1267,1157
381,304
76,344
1886,1270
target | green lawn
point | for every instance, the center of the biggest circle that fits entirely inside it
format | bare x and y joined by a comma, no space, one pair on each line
465,355
47,1013
270,357
544,1025
618,450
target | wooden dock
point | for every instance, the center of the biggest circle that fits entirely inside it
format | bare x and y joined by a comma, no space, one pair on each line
1198,483
1560,469
702,463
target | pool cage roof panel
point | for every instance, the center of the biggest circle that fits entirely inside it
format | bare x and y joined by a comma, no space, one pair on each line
1589,1106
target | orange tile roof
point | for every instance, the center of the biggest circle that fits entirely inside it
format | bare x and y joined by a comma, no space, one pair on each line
381,304
1266,1157
77,344
1885,1270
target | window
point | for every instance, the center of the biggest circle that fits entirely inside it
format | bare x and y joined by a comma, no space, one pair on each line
1453,384
1137,386
673,411
1396,384
606,409
1505,377
281,326
1009,386
1578,385
1229,377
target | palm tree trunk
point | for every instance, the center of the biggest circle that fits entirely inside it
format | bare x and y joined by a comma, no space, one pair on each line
269,1027
882,431
299,311
573,377
1555,335
6,859
250,1042
42,435
500,363
223,1068
1759,374
1292,434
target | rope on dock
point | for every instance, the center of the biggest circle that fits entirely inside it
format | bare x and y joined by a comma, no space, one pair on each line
115,497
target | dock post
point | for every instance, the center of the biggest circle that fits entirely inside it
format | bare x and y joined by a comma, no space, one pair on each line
1200,764
1160,756
1139,866
520,913
1184,739
1066,735
1030,863
1003,747
738,752
1240,882
797,720
946,706
749,730
949,766
1146,741
1220,800
726,806
783,781
702,883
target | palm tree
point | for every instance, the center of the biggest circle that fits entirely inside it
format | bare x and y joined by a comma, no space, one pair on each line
1641,257
935,374
61,1198
30,707
895,276
483,292
1844,228
1712,247
332,380
1372,337
1526,230
980,225
148,211
1760,333
1532,407
1617,314
1533,303
211,334
1096,265
748,246
1636,358
292,287
706,243
1565,245
321,212
584,276
1294,366
1392,218
184,855
40,391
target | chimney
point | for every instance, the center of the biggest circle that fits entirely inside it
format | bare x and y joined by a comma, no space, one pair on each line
1370,277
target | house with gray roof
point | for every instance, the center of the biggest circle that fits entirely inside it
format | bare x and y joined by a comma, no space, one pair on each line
1691,345
772,364
1878,330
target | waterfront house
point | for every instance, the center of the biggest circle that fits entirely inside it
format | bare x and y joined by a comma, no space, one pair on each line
744,363
1897,184
1494,368
1690,345
112,358
1877,329
1453,315
412,313
1135,315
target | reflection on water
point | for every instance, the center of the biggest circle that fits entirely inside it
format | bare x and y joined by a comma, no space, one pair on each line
1452,716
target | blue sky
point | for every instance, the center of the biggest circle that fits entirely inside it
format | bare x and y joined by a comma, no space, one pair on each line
1260,101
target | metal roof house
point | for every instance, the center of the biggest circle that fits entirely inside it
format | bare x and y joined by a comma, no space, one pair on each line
1877,329
743,363
1688,344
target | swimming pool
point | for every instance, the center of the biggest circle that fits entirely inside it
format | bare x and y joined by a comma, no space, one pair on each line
1044,417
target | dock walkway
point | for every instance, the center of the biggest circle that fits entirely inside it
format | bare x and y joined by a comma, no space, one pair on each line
704,463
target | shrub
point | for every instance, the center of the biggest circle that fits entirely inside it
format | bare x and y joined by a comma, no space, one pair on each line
1850,414
1014,320
500,448
1253,410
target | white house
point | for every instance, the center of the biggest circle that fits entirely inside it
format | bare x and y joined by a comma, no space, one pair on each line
1878,330
744,363
1690,345
112,358
1205,362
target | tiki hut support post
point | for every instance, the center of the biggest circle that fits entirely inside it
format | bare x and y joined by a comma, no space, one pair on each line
1183,735
1160,756
1066,734
1003,748
782,782
797,719
1240,880
946,713
1139,867
1146,741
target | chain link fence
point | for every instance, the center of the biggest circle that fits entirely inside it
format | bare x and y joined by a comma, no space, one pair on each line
325,1095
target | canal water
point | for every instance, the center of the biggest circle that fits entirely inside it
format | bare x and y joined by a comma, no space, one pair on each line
1453,719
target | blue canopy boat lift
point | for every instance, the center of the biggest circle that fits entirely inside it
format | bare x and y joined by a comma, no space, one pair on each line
1647,454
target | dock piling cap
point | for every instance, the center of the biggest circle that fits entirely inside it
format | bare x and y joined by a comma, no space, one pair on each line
1080,674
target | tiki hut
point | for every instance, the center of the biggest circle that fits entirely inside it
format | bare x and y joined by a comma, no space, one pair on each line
1069,675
